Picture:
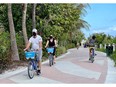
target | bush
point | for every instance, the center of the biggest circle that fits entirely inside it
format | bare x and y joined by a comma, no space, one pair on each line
20,45
60,50
102,49
70,46
5,53
5,50
113,56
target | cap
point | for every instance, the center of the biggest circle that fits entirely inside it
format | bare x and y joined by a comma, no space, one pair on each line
51,35
34,30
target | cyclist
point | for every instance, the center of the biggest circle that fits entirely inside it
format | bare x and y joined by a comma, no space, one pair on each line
51,42
92,44
36,41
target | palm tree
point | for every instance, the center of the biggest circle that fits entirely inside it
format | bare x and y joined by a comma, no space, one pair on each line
14,55
33,16
82,24
24,8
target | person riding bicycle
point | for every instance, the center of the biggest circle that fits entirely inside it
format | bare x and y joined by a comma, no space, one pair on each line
92,44
51,42
36,41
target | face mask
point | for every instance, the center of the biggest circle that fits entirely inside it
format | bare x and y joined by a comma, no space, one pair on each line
51,37
34,34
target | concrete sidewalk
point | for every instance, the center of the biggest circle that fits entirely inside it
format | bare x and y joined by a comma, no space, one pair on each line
72,67
111,73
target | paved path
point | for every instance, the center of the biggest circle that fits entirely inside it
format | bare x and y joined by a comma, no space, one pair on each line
72,67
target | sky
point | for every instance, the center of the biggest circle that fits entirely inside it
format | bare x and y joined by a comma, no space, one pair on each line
102,18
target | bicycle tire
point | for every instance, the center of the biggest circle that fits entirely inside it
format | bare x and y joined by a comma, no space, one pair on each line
92,56
30,70
50,60
92,60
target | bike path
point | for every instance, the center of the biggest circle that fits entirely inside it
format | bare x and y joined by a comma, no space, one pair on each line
72,67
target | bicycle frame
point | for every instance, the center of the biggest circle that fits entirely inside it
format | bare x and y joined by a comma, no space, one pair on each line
34,63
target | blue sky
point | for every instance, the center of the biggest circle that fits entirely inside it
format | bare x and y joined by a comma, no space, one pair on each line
102,18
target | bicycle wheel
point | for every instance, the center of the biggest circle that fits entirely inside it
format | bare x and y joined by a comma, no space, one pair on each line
92,60
92,56
30,70
50,60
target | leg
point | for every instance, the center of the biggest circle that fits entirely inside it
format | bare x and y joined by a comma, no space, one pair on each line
89,53
39,64
39,61
54,55
54,59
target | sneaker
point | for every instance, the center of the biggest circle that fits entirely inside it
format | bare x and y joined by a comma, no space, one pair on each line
38,72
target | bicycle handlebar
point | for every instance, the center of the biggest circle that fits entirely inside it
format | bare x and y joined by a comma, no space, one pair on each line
31,50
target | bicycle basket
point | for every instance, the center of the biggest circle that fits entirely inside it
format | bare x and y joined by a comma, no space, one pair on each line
30,55
50,50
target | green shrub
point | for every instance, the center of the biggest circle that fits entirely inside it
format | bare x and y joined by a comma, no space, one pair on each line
102,49
5,53
60,50
68,46
5,50
113,56
20,45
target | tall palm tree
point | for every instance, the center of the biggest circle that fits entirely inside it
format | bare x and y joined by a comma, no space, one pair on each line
33,16
15,55
82,24
24,8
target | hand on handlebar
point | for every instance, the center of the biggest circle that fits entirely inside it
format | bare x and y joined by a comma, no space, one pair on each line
25,49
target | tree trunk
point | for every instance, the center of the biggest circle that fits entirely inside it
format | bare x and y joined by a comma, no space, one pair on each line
33,16
24,8
14,55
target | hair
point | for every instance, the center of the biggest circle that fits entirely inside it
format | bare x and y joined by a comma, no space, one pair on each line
51,36
93,37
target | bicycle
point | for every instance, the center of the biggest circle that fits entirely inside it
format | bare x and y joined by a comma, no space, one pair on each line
92,54
32,64
50,51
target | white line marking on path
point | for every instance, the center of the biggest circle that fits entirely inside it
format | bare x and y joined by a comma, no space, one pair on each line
77,70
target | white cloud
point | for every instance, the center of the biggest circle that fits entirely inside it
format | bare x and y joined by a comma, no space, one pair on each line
114,28
105,30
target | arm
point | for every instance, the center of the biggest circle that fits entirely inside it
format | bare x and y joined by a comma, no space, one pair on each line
40,45
55,43
27,47
47,43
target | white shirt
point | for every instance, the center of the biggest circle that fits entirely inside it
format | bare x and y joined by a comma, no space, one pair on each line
35,42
